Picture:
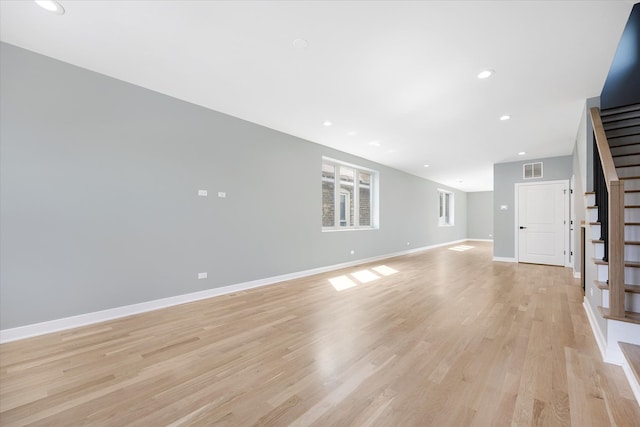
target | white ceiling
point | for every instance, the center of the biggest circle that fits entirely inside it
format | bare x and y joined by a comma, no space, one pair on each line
400,73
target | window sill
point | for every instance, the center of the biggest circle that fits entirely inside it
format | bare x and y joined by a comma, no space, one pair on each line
333,230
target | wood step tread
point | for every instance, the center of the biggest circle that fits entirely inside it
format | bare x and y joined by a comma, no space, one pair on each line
632,191
633,165
626,206
628,178
625,131
626,223
631,289
586,193
629,316
632,354
607,112
626,154
623,141
622,121
626,242
634,264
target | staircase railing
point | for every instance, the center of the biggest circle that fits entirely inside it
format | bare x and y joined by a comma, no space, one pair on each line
610,200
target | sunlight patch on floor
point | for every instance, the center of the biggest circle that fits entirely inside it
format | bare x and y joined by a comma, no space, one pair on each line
365,276
461,248
341,283
384,270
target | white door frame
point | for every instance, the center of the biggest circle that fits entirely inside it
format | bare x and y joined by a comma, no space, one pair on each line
572,222
567,218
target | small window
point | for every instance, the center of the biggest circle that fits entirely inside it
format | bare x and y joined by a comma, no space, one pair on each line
347,196
446,210
532,170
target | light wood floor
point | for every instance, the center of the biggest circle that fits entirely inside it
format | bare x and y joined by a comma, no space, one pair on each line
450,339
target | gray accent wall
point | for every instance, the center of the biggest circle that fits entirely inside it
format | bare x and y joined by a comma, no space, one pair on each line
480,215
505,176
99,204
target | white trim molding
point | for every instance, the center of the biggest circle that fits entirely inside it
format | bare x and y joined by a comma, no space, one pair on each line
57,325
633,381
503,259
609,347
597,333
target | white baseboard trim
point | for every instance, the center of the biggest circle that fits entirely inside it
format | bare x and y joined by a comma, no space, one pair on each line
632,380
504,259
597,333
612,354
480,240
57,325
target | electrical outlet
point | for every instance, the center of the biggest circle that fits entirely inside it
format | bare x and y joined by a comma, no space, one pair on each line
591,291
222,194
408,243
202,193
352,252
202,275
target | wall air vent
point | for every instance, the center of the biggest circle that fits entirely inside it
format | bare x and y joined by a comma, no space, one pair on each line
532,170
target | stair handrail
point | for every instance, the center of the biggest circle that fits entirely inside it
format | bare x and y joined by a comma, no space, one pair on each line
615,187
608,167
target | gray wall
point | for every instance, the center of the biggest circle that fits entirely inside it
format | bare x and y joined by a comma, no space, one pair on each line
505,176
480,215
99,182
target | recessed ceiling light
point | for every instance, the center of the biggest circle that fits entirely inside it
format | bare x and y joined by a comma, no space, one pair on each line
485,74
51,6
460,181
300,43
505,117
522,153
352,133
375,143
426,166
327,123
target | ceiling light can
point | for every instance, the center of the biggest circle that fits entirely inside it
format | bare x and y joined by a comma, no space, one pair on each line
485,74
300,44
51,6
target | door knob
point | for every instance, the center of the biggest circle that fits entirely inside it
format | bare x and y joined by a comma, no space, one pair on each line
522,228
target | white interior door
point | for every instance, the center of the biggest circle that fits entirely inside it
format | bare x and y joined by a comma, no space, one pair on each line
542,223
